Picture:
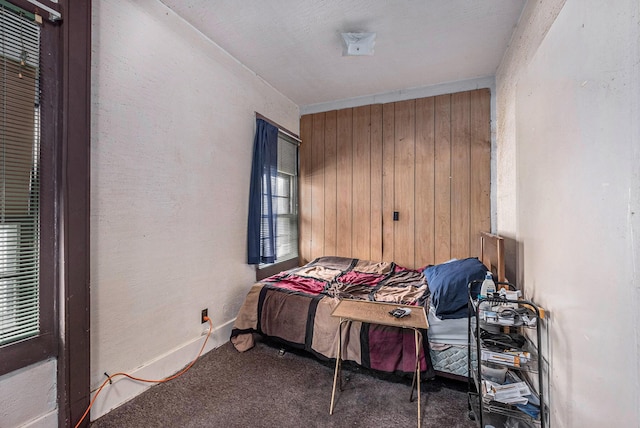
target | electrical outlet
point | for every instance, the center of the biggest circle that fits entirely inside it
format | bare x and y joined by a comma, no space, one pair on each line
205,314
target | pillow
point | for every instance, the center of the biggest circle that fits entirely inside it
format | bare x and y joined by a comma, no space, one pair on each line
448,283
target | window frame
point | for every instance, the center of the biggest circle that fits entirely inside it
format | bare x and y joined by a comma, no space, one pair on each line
20,354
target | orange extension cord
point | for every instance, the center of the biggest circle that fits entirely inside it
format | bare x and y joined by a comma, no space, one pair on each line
167,379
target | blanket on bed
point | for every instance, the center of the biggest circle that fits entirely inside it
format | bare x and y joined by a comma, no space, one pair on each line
295,308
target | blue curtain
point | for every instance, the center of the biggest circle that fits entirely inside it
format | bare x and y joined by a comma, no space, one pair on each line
262,215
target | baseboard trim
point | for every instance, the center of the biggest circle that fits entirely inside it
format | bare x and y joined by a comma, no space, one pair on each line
124,389
48,420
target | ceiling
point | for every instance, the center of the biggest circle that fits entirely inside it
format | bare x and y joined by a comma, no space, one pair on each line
296,45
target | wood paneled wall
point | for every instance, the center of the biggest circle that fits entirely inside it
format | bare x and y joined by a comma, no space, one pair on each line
428,159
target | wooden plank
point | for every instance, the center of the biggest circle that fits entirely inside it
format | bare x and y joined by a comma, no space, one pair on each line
442,188
460,174
492,254
362,182
425,182
404,193
480,166
388,180
317,186
344,181
376,182
304,190
330,182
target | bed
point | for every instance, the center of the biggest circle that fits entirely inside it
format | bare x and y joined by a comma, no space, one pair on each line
448,337
294,307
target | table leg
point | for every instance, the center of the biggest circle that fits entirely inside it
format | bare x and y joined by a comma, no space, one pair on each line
416,371
337,370
416,375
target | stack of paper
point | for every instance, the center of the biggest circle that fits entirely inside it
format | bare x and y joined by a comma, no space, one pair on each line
510,393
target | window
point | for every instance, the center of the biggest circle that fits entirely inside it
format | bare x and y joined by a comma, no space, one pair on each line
54,243
19,177
284,187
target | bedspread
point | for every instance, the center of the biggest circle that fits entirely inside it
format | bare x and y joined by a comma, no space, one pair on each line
295,308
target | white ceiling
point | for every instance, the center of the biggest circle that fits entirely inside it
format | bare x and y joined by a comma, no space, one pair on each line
296,46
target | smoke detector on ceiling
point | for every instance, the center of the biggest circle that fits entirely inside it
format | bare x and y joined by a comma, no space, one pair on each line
357,44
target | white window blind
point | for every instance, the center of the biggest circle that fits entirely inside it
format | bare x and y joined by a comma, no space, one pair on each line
19,176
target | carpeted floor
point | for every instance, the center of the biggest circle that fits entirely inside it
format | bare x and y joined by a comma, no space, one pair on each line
263,388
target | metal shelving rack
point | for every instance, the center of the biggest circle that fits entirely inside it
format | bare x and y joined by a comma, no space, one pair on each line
479,405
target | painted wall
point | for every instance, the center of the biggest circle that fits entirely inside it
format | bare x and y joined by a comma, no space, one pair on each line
569,194
172,139
28,397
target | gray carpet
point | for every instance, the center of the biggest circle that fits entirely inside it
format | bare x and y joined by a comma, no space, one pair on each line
261,388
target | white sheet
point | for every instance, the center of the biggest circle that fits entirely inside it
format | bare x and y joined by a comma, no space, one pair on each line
449,331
